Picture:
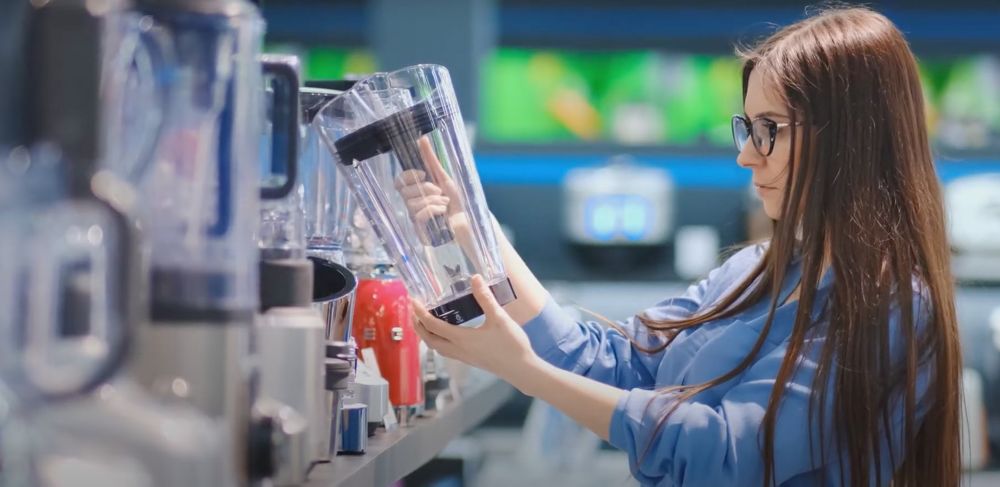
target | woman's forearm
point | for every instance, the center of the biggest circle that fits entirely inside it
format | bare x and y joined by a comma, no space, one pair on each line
531,295
585,400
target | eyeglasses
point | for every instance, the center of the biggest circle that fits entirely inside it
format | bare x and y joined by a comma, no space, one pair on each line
761,131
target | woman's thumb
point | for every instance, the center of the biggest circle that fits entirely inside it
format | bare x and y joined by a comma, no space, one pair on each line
484,296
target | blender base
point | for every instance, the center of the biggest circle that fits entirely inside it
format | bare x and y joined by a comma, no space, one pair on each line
465,308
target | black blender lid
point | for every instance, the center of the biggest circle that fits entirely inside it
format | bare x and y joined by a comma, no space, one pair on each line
374,139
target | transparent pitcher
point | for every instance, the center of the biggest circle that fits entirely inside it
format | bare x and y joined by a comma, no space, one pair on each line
327,204
326,196
400,142
195,206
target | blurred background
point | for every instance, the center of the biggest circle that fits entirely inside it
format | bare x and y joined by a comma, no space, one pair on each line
602,137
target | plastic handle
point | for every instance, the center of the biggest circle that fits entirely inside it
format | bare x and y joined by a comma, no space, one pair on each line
285,134
62,358
146,52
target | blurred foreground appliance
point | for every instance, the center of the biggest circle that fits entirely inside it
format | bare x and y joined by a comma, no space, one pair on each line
70,270
199,210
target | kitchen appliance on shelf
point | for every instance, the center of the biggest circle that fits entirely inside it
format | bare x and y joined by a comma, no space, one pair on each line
198,207
383,322
70,270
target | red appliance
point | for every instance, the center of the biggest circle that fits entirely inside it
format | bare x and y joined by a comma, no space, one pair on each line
383,321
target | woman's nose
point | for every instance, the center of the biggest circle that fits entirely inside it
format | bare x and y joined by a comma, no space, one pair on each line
749,157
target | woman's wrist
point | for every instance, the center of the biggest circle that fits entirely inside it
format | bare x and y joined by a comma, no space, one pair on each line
531,295
528,375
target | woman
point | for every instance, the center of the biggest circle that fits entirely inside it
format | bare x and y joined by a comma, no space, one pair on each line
828,356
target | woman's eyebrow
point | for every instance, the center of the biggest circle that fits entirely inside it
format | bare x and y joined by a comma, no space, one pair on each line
768,114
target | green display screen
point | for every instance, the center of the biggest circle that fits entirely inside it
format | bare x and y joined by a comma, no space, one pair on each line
659,98
323,62
631,97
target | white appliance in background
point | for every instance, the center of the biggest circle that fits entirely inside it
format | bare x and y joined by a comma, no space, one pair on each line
620,203
973,204
696,251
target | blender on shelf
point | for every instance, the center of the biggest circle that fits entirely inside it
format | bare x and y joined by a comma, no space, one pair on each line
291,334
327,206
199,211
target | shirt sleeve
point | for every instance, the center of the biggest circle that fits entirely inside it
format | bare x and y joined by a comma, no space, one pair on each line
607,355
719,445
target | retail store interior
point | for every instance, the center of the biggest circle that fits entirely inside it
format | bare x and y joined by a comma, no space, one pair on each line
206,267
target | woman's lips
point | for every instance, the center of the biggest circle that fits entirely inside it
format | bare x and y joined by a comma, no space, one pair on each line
762,188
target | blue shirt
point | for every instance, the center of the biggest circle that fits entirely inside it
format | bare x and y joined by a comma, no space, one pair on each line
714,438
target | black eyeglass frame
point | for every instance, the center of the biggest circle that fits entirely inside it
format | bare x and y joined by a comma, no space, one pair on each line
772,127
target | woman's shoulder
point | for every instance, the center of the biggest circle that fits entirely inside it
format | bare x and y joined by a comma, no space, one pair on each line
733,270
740,262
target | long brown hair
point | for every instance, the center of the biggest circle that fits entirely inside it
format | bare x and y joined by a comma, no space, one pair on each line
864,195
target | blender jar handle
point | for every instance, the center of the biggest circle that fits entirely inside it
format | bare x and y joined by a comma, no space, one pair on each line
149,51
285,71
62,359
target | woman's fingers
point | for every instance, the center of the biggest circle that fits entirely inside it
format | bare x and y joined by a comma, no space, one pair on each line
484,296
409,177
430,158
428,213
442,345
437,326
414,205
419,190
438,174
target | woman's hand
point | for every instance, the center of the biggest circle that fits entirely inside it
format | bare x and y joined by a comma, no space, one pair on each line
498,346
431,193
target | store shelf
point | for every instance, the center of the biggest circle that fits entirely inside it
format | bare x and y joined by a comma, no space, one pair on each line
393,455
